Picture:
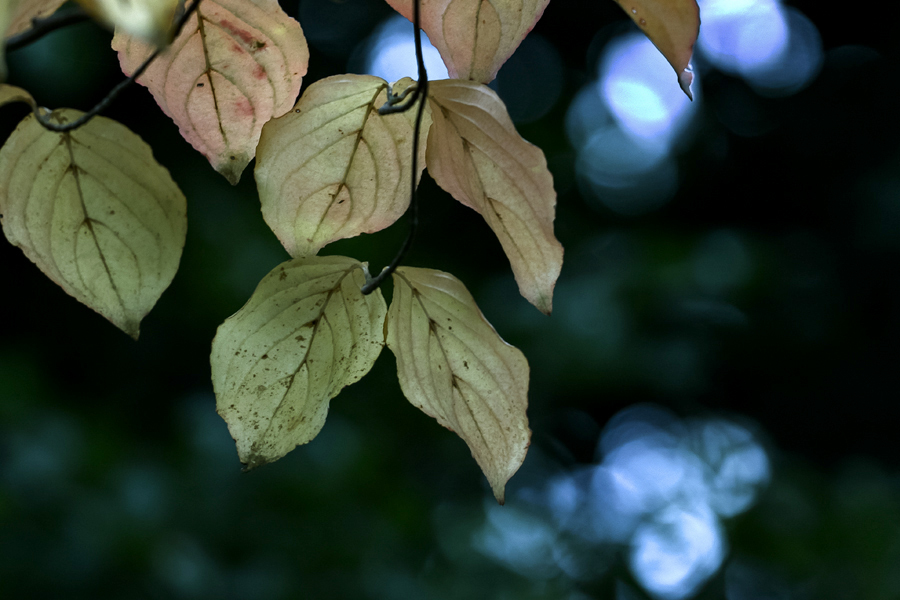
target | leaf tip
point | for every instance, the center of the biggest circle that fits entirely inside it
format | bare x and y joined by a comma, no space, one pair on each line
685,78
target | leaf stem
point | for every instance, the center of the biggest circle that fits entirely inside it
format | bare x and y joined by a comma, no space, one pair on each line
49,24
396,104
44,117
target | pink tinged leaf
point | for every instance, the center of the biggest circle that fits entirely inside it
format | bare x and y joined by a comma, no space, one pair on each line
475,153
454,367
673,27
334,168
475,37
235,65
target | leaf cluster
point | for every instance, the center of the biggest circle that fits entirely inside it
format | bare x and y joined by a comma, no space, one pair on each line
85,200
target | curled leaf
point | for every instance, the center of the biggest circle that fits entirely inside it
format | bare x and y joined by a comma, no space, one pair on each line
333,168
23,12
673,27
149,20
475,153
475,37
95,212
306,332
235,65
11,93
455,368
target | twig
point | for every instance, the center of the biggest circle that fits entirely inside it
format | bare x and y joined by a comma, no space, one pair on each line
44,118
49,24
396,104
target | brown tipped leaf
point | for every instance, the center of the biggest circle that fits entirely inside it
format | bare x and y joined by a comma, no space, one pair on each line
455,368
333,168
235,65
95,212
475,153
475,37
306,332
673,26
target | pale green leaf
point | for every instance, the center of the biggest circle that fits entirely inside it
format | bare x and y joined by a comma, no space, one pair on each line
334,168
475,153
11,93
455,368
235,65
95,212
673,26
475,37
306,332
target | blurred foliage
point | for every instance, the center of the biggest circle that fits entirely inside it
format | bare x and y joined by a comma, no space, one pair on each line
768,288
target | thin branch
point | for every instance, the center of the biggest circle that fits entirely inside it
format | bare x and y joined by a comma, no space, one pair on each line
49,24
396,104
44,117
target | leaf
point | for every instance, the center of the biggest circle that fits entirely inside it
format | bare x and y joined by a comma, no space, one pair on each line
455,368
16,17
95,212
11,93
235,65
22,12
475,37
333,168
673,27
149,20
306,332
475,153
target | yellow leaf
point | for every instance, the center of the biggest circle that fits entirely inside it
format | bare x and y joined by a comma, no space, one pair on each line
333,168
235,65
95,212
149,20
475,37
673,26
475,153
11,93
455,368
306,332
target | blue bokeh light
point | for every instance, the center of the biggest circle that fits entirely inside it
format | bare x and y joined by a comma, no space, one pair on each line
661,488
774,48
641,90
391,52
626,125
673,554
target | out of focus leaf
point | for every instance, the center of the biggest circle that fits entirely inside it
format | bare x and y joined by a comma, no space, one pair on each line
475,37
235,65
475,153
23,12
306,332
11,93
455,368
95,212
333,168
673,26
16,17
149,20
